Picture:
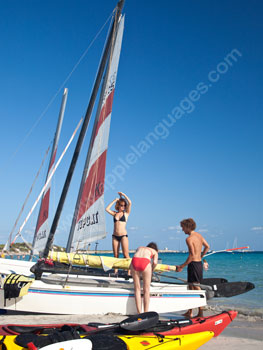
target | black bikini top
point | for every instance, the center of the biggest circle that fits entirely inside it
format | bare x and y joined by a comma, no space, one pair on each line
123,218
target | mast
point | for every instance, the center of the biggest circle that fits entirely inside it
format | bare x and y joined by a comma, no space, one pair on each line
41,231
88,224
83,129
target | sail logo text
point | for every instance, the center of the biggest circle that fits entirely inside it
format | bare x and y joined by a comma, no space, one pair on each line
99,189
111,86
41,235
88,221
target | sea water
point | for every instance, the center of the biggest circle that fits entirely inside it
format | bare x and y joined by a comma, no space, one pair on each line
234,266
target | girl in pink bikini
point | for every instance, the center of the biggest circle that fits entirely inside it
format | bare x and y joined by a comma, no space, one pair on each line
143,263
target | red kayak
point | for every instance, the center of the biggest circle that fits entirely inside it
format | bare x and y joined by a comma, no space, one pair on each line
215,323
177,326
15,329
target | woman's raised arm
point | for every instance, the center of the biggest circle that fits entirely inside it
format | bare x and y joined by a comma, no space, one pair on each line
128,209
108,208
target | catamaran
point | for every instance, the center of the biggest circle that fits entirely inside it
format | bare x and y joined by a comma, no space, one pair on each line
61,287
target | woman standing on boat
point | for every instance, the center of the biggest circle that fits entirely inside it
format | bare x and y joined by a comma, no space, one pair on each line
120,217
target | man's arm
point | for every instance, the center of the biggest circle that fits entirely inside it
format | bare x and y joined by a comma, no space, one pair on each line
206,248
190,256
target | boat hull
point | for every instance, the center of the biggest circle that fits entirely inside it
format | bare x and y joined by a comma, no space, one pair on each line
182,342
101,298
214,323
21,267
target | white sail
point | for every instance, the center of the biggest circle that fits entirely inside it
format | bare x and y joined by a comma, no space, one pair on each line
89,219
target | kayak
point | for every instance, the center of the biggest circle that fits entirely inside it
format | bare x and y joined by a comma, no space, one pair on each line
136,323
186,342
214,323
15,329
179,325
114,342
8,343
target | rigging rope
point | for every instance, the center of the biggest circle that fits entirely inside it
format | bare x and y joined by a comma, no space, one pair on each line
55,95
7,245
47,182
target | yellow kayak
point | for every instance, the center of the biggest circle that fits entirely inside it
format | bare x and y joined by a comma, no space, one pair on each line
180,342
98,261
132,342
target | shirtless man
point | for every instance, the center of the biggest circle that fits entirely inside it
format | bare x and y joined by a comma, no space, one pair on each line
195,242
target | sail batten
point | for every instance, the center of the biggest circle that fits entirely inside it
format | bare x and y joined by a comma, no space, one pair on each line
88,224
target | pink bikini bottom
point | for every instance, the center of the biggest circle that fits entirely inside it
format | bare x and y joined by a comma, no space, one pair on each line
140,264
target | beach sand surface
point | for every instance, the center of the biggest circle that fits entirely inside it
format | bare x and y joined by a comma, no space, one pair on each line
242,334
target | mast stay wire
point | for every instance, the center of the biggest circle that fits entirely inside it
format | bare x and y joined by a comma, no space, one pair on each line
55,95
27,197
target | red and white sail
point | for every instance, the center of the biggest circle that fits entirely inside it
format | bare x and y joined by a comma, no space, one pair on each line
42,226
89,219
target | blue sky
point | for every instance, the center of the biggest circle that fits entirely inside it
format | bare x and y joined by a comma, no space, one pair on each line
187,105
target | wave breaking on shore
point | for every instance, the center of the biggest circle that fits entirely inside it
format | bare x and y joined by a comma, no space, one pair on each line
251,313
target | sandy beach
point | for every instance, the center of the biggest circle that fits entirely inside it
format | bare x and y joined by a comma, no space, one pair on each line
243,333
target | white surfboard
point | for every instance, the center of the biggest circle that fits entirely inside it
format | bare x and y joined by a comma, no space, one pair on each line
75,344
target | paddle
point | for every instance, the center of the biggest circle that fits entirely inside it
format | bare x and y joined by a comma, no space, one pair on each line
134,323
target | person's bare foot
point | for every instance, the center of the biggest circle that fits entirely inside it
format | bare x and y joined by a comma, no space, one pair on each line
188,314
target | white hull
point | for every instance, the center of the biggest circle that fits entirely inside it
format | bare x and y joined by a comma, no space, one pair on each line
87,299
21,267
93,295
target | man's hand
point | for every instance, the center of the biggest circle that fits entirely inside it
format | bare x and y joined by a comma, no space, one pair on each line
179,268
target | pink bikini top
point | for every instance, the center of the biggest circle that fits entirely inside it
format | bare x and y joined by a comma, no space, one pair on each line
150,251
